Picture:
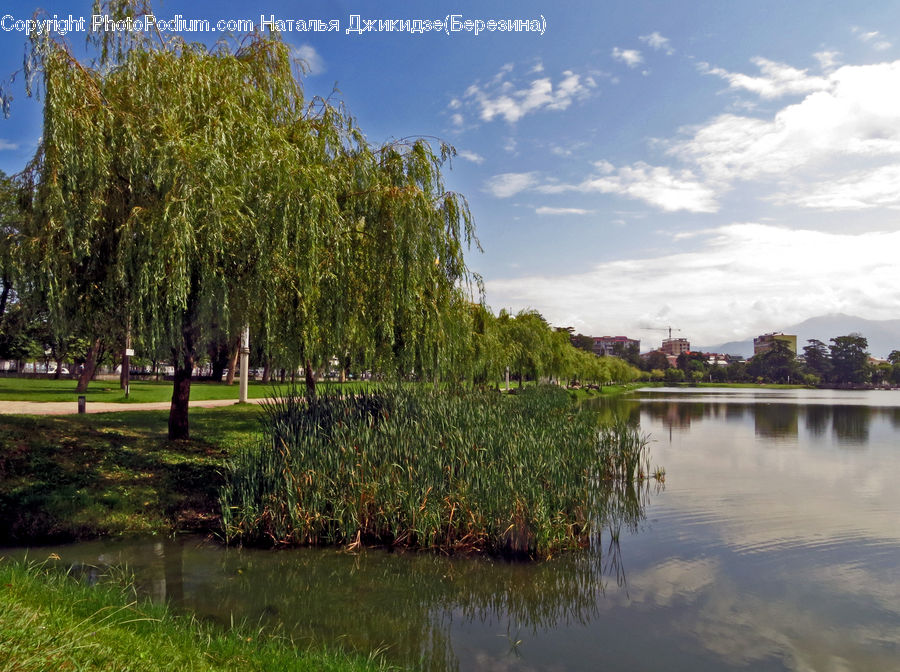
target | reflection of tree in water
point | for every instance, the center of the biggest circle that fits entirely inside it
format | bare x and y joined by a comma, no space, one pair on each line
851,424
675,415
775,421
817,417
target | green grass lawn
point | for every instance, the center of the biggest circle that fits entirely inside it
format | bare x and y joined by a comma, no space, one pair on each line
79,476
37,389
49,621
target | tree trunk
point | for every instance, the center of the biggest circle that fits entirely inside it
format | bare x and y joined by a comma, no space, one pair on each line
183,359
181,395
90,365
125,376
281,377
310,379
59,363
267,372
4,297
232,362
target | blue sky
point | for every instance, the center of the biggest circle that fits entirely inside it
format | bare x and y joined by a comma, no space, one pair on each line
726,168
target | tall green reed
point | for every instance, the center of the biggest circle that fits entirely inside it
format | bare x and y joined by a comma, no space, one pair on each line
409,467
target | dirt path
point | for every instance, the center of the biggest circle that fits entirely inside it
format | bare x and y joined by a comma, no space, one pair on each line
71,407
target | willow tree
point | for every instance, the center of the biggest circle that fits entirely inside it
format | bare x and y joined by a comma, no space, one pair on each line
184,175
388,282
179,187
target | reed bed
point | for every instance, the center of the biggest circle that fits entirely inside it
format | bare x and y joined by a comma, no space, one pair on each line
511,475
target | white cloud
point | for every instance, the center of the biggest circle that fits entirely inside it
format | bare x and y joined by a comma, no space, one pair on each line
860,190
630,57
828,59
835,149
457,119
776,79
502,98
656,41
7,145
855,117
875,38
308,54
510,184
544,210
470,156
660,186
763,277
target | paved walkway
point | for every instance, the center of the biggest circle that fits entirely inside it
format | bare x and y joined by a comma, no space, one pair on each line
71,407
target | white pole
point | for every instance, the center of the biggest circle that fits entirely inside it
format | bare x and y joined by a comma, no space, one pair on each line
245,364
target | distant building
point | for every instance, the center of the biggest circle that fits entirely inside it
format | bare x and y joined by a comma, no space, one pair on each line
675,346
716,358
766,341
612,345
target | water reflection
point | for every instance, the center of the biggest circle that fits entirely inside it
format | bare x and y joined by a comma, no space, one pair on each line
847,425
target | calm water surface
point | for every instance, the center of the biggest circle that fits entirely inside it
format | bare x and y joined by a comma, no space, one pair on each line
774,545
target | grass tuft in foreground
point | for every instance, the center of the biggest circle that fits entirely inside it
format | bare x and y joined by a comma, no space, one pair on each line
49,621
512,475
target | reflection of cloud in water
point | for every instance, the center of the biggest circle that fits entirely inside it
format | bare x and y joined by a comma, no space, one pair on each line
674,580
745,628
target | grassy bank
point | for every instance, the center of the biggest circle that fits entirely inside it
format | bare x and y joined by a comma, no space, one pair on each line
80,476
48,621
510,474
609,390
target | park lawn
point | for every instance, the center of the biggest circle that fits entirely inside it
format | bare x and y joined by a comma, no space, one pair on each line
141,391
80,476
50,621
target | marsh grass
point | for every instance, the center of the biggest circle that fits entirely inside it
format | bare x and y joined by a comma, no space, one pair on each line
50,621
456,472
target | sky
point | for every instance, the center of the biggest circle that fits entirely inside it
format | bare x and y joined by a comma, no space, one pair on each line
722,168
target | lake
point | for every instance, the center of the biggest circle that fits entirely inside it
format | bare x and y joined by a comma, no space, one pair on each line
774,544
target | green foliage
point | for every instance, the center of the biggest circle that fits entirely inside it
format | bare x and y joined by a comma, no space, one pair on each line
673,375
817,359
849,359
476,471
777,364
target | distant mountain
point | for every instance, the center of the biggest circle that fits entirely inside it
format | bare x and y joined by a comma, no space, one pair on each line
882,335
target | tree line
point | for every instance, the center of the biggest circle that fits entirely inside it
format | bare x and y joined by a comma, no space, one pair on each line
845,362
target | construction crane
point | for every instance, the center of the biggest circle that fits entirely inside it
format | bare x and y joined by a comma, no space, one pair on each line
669,329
